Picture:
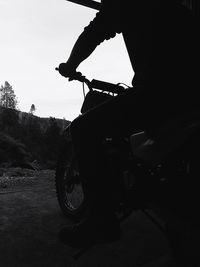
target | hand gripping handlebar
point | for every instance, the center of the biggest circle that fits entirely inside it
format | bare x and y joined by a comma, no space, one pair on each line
97,84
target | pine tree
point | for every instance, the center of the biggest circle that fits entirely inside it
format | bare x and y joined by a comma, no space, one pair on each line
32,109
7,96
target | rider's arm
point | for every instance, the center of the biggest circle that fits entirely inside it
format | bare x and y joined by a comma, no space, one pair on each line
103,27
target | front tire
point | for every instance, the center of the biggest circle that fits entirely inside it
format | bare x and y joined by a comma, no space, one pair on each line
70,191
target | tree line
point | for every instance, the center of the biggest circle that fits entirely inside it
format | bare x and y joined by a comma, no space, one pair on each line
25,137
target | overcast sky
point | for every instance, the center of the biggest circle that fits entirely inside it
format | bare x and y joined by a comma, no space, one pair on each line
35,36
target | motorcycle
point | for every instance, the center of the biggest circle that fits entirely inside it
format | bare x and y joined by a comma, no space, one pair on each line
159,168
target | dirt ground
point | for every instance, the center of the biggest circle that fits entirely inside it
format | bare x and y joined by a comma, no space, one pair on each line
30,219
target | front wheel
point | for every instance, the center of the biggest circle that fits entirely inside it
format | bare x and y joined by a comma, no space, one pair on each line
70,188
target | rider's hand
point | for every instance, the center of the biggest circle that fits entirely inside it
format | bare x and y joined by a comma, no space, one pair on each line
66,71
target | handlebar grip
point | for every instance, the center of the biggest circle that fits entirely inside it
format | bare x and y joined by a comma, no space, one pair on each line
73,76
105,86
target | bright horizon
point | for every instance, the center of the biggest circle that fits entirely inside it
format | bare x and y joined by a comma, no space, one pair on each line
38,35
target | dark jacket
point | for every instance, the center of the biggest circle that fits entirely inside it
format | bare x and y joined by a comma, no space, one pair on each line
160,38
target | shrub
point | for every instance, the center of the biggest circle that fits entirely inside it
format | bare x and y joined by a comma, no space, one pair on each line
12,150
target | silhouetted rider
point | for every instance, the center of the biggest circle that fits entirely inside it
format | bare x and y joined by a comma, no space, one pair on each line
157,35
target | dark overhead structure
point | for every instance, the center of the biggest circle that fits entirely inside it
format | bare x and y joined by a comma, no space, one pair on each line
194,5
88,3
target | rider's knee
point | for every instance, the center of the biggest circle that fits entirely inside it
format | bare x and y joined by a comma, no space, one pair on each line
82,130
77,127
73,127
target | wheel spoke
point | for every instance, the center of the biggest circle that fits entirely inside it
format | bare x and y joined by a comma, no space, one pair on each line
74,195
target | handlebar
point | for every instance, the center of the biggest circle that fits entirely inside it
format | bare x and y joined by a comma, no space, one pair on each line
105,86
97,84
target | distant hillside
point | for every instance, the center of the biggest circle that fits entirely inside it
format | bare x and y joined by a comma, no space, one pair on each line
25,138
44,122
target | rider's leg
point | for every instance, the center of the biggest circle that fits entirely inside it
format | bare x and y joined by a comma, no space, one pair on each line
120,116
